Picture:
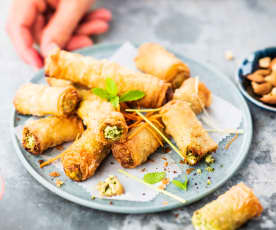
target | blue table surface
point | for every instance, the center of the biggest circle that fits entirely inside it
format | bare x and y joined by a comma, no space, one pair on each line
203,29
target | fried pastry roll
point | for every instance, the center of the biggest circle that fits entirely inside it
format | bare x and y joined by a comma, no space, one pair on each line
137,148
229,211
101,116
39,135
155,60
39,100
81,160
194,92
58,82
187,131
92,73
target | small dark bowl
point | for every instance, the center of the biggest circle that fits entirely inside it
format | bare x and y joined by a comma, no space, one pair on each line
248,66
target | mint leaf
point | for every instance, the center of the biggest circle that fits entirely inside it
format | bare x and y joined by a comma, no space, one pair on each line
101,93
132,95
153,178
114,101
111,87
181,185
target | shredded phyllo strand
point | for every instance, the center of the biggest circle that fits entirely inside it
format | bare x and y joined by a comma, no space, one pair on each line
152,186
231,141
228,131
50,161
143,110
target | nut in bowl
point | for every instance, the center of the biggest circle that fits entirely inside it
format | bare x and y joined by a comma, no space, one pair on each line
256,78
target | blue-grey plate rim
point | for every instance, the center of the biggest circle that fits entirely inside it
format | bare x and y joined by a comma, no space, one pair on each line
241,88
138,210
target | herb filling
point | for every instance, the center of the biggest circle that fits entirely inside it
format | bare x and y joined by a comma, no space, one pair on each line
30,141
112,132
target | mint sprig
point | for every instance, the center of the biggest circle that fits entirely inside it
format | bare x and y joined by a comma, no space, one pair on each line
154,177
111,93
181,185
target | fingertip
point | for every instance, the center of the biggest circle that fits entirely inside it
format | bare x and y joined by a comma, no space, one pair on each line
78,41
48,47
101,13
93,27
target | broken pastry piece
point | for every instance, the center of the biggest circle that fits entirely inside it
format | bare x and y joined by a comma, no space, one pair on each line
110,187
265,62
229,211
271,78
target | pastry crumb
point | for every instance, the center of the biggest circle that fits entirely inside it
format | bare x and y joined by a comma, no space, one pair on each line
189,170
54,174
165,202
165,181
228,55
59,183
110,187
162,186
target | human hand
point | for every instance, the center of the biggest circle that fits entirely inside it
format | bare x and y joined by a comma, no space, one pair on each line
50,23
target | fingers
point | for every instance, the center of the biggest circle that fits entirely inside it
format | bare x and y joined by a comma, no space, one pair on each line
23,43
63,23
101,13
94,26
78,41
20,21
38,28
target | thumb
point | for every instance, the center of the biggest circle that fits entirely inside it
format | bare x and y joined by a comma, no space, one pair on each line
63,23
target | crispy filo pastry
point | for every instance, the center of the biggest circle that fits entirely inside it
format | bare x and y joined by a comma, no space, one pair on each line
40,100
81,160
187,131
58,82
155,60
138,147
194,92
92,73
229,211
102,117
39,135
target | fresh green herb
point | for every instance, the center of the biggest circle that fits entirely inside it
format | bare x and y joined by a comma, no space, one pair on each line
181,185
93,197
115,101
209,159
209,169
208,182
111,90
111,87
132,95
154,177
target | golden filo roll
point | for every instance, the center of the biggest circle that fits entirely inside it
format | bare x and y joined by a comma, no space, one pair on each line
39,135
194,92
40,100
58,82
191,138
102,117
155,60
81,160
92,73
229,211
140,144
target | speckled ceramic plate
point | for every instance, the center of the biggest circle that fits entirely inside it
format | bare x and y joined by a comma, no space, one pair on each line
227,162
249,65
